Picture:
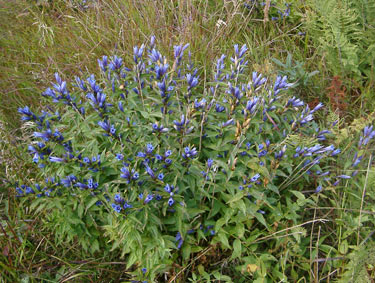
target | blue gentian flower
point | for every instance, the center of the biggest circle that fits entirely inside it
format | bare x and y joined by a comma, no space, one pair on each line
156,56
135,176
160,128
103,63
295,102
118,198
149,148
161,71
241,52
36,158
179,125
200,104
46,136
227,123
29,190
138,52
141,154
343,177
113,130
170,201
116,207
317,107
69,180
262,153
234,91
210,162
318,189
357,161
106,126
56,159
251,105
150,172
167,153
189,152
335,152
121,106
119,156
168,188
219,108
148,199
116,63
192,81
179,240
126,172
281,153
280,84
179,51
257,80
324,174
127,205
255,177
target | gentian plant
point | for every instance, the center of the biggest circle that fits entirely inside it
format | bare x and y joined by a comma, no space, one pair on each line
164,165
277,12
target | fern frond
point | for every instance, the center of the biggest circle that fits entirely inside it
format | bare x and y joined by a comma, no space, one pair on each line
341,28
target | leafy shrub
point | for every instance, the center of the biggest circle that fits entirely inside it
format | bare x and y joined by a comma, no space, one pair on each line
295,72
168,167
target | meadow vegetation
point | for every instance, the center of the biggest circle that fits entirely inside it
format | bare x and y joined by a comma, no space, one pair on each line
144,154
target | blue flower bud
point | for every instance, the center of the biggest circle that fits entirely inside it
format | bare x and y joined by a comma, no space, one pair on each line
148,199
255,177
170,201
318,189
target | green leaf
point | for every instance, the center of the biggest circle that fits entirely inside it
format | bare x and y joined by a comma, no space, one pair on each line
236,249
186,251
299,195
241,206
74,220
236,197
261,219
131,260
273,188
91,203
219,224
80,210
145,114
215,208
94,246
240,230
343,248
223,239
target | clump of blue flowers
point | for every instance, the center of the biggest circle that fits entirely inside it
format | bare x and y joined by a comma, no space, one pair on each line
166,160
277,12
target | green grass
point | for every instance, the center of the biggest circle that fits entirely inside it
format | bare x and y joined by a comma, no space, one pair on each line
38,40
